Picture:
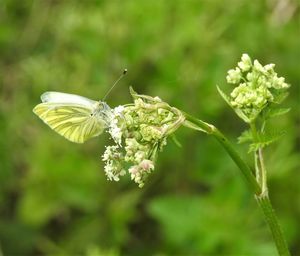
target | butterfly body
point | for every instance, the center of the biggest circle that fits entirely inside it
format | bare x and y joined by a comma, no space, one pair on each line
75,117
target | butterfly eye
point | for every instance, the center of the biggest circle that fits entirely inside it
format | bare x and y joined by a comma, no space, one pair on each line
103,106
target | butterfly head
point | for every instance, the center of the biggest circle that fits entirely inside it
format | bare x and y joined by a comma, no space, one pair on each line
103,106
102,110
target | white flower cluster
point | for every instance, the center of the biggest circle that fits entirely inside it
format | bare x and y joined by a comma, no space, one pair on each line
140,172
113,167
257,86
140,131
114,129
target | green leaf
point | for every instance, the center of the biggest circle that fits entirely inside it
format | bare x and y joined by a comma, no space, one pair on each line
224,96
246,136
176,141
277,112
265,139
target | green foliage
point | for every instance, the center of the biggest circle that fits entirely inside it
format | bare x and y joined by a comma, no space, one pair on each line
246,136
274,112
54,196
263,139
180,230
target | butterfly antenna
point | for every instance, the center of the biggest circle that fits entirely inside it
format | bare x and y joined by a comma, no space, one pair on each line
121,76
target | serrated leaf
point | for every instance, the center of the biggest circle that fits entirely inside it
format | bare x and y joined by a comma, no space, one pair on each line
246,136
277,112
265,139
239,112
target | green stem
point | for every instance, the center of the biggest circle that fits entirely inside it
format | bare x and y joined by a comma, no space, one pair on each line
263,171
270,217
260,195
262,164
258,167
254,131
246,171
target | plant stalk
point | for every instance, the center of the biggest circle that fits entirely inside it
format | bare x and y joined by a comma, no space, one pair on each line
260,190
263,171
245,169
258,170
271,218
264,200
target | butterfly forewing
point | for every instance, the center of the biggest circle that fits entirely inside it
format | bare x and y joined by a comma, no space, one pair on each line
76,122
60,97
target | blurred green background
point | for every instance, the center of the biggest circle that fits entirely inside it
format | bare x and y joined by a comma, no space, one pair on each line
54,197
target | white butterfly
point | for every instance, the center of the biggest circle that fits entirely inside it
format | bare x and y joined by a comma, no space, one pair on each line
75,117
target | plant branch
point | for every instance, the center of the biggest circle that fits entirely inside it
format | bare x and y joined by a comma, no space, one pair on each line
258,167
260,190
263,199
245,169
270,217
264,187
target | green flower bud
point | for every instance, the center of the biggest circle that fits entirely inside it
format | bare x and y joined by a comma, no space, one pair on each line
258,67
234,76
245,63
257,90
141,131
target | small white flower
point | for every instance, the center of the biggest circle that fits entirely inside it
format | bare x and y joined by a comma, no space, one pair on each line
250,76
147,165
142,128
257,66
269,67
113,167
133,171
246,63
139,172
285,85
277,82
116,134
234,76
110,172
109,152
139,156
118,111
114,129
256,87
246,59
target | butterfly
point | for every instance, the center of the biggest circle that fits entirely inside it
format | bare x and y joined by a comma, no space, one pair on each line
74,117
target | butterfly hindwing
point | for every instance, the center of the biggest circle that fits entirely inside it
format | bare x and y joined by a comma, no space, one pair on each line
73,121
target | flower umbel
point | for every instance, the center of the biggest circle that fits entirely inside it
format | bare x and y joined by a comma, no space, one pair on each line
257,87
140,130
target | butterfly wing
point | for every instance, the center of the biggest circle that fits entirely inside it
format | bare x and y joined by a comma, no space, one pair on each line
73,121
60,97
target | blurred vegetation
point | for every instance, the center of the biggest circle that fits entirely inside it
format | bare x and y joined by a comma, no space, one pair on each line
54,197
